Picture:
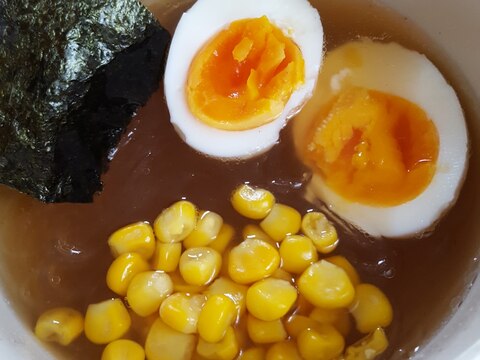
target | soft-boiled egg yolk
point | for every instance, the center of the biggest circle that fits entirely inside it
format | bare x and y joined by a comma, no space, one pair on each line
374,148
244,76
237,71
385,138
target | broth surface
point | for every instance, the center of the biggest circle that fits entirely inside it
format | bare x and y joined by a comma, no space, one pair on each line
57,255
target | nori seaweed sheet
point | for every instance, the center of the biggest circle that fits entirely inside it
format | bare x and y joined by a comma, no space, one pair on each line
72,75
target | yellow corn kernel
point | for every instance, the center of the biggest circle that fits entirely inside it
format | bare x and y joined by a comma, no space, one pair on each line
323,234
179,285
255,353
167,256
251,231
252,260
165,343
206,231
137,238
147,290
123,269
321,343
176,222
216,316
181,312
338,318
282,275
223,239
326,285
347,266
371,308
226,349
283,220
297,253
123,350
369,347
200,266
285,350
265,332
106,321
295,324
270,299
232,290
60,325
251,202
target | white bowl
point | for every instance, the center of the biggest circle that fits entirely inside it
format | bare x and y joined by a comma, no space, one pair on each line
454,26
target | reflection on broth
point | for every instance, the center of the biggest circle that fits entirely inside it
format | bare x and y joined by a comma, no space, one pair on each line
57,255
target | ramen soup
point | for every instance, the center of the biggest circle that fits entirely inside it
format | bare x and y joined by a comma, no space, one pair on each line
58,255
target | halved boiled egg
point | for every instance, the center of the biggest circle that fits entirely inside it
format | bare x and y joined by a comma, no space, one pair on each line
238,70
385,137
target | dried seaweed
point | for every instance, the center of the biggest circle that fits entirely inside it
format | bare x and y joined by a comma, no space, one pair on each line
72,74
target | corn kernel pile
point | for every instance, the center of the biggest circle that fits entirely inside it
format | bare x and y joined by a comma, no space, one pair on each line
197,294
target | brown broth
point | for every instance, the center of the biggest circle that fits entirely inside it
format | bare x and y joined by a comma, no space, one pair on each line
57,255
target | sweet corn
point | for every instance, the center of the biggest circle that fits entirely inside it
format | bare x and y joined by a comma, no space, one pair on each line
165,343
255,353
285,350
251,231
123,269
226,349
347,266
369,347
270,299
265,332
176,222
200,266
282,220
216,316
297,253
180,286
223,239
60,325
338,318
252,260
123,350
326,285
232,290
167,256
206,231
251,202
321,343
137,238
295,324
106,321
147,290
371,308
181,312
323,234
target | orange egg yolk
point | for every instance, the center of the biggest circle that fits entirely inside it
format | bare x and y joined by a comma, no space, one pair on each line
244,76
374,148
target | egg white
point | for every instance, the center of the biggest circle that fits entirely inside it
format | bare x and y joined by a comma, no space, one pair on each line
393,69
297,19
